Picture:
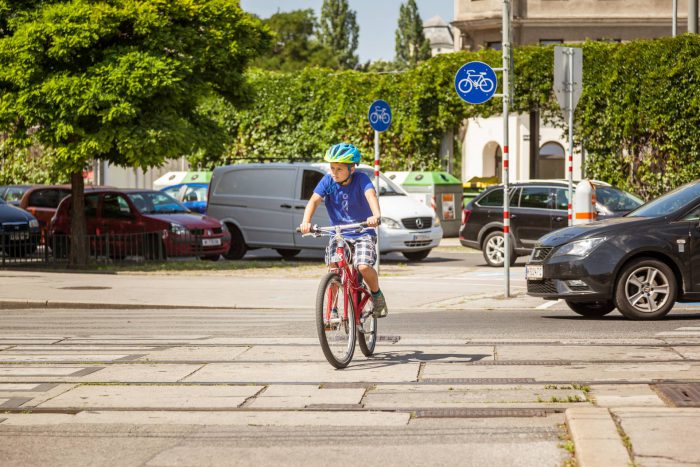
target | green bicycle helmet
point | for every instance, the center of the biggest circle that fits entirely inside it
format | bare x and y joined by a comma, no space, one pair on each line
343,153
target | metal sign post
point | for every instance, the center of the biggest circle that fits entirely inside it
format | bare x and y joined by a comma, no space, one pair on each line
379,116
475,83
568,85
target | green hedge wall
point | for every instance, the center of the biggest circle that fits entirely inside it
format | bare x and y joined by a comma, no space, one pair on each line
638,117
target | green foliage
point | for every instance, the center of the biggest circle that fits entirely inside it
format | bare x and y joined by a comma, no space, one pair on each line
339,31
295,45
638,117
411,44
27,166
128,81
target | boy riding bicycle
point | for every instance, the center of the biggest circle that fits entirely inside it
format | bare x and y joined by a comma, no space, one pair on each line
350,198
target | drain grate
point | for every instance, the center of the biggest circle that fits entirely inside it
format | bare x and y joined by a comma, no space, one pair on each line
479,413
85,287
477,380
680,395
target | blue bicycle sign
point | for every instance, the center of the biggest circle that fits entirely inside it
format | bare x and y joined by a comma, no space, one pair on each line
475,82
379,115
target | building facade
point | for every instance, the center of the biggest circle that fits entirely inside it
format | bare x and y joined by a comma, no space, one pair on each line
537,150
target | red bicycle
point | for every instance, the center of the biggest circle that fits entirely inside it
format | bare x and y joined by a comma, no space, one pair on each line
344,305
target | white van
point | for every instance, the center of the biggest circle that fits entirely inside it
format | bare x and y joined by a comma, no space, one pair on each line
263,204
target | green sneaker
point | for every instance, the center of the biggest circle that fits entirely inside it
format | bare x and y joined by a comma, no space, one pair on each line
380,309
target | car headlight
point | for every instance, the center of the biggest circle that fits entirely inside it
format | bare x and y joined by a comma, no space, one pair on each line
177,229
436,221
580,248
390,223
33,224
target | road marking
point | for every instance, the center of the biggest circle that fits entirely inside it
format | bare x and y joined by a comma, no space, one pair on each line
681,332
547,304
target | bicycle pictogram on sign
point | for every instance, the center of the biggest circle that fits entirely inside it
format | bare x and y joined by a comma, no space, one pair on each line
475,82
379,115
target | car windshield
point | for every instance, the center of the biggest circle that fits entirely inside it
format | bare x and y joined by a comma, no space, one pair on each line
670,202
616,200
154,202
386,186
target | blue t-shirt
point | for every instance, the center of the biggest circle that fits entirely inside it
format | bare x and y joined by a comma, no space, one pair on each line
347,204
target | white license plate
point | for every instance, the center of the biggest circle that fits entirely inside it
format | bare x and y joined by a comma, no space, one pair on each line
19,235
421,238
533,271
211,242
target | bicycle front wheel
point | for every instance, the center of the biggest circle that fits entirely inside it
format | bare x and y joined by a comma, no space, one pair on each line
335,321
367,333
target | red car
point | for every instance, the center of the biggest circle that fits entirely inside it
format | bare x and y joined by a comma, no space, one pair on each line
141,223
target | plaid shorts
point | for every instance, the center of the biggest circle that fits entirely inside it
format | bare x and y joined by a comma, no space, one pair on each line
365,250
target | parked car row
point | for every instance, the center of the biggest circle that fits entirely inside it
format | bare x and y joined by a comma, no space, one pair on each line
537,208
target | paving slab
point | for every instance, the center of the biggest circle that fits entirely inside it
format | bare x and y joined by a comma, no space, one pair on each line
628,395
153,397
59,357
634,372
97,349
194,354
272,418
472,396
689,352
662,436
312,372
595,437
141,373
584,353
288,397
37,394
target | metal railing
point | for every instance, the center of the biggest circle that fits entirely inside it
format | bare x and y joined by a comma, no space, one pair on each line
32,248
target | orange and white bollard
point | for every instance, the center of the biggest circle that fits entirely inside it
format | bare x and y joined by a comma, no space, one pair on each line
584,203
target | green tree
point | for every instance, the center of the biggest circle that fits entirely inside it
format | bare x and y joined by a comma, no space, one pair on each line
339,31
411,44
127,81
295,43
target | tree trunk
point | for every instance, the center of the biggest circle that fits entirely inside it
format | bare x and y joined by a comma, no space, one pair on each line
78,237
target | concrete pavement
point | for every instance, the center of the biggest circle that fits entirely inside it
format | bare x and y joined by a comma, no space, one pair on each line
456,395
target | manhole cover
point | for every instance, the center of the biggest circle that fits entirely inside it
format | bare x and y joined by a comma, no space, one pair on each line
85,287
681,394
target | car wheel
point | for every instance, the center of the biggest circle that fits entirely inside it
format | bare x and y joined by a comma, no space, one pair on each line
417,255
494,251
287,253
592,309
646,290
238,247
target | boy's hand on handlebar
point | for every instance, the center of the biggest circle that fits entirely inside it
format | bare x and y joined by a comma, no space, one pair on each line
305,227
372,221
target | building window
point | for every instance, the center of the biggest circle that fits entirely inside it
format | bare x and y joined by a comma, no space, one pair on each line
551,161
551,41
495,45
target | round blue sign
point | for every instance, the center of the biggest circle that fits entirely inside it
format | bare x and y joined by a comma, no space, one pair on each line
475,82
379,115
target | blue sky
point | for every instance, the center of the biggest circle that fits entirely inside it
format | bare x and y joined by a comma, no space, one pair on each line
377,19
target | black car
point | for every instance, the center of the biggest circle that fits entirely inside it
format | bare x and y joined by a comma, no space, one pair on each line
12,194
19,231
537,208
641,263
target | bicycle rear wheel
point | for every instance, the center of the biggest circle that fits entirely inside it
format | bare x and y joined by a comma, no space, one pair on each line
336,330
367,333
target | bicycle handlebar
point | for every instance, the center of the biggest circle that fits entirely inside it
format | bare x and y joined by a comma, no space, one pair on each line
316,230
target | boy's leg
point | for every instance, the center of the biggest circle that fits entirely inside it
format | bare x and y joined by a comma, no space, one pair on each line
365,258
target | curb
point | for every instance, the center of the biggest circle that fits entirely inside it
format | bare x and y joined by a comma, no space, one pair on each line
596,439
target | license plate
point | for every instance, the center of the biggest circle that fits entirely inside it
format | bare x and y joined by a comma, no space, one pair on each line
533,271
421,238
19,235
211,242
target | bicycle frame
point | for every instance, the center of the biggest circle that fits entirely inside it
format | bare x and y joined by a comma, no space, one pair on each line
349,278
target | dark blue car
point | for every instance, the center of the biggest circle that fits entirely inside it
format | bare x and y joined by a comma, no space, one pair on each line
19,231
192,195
